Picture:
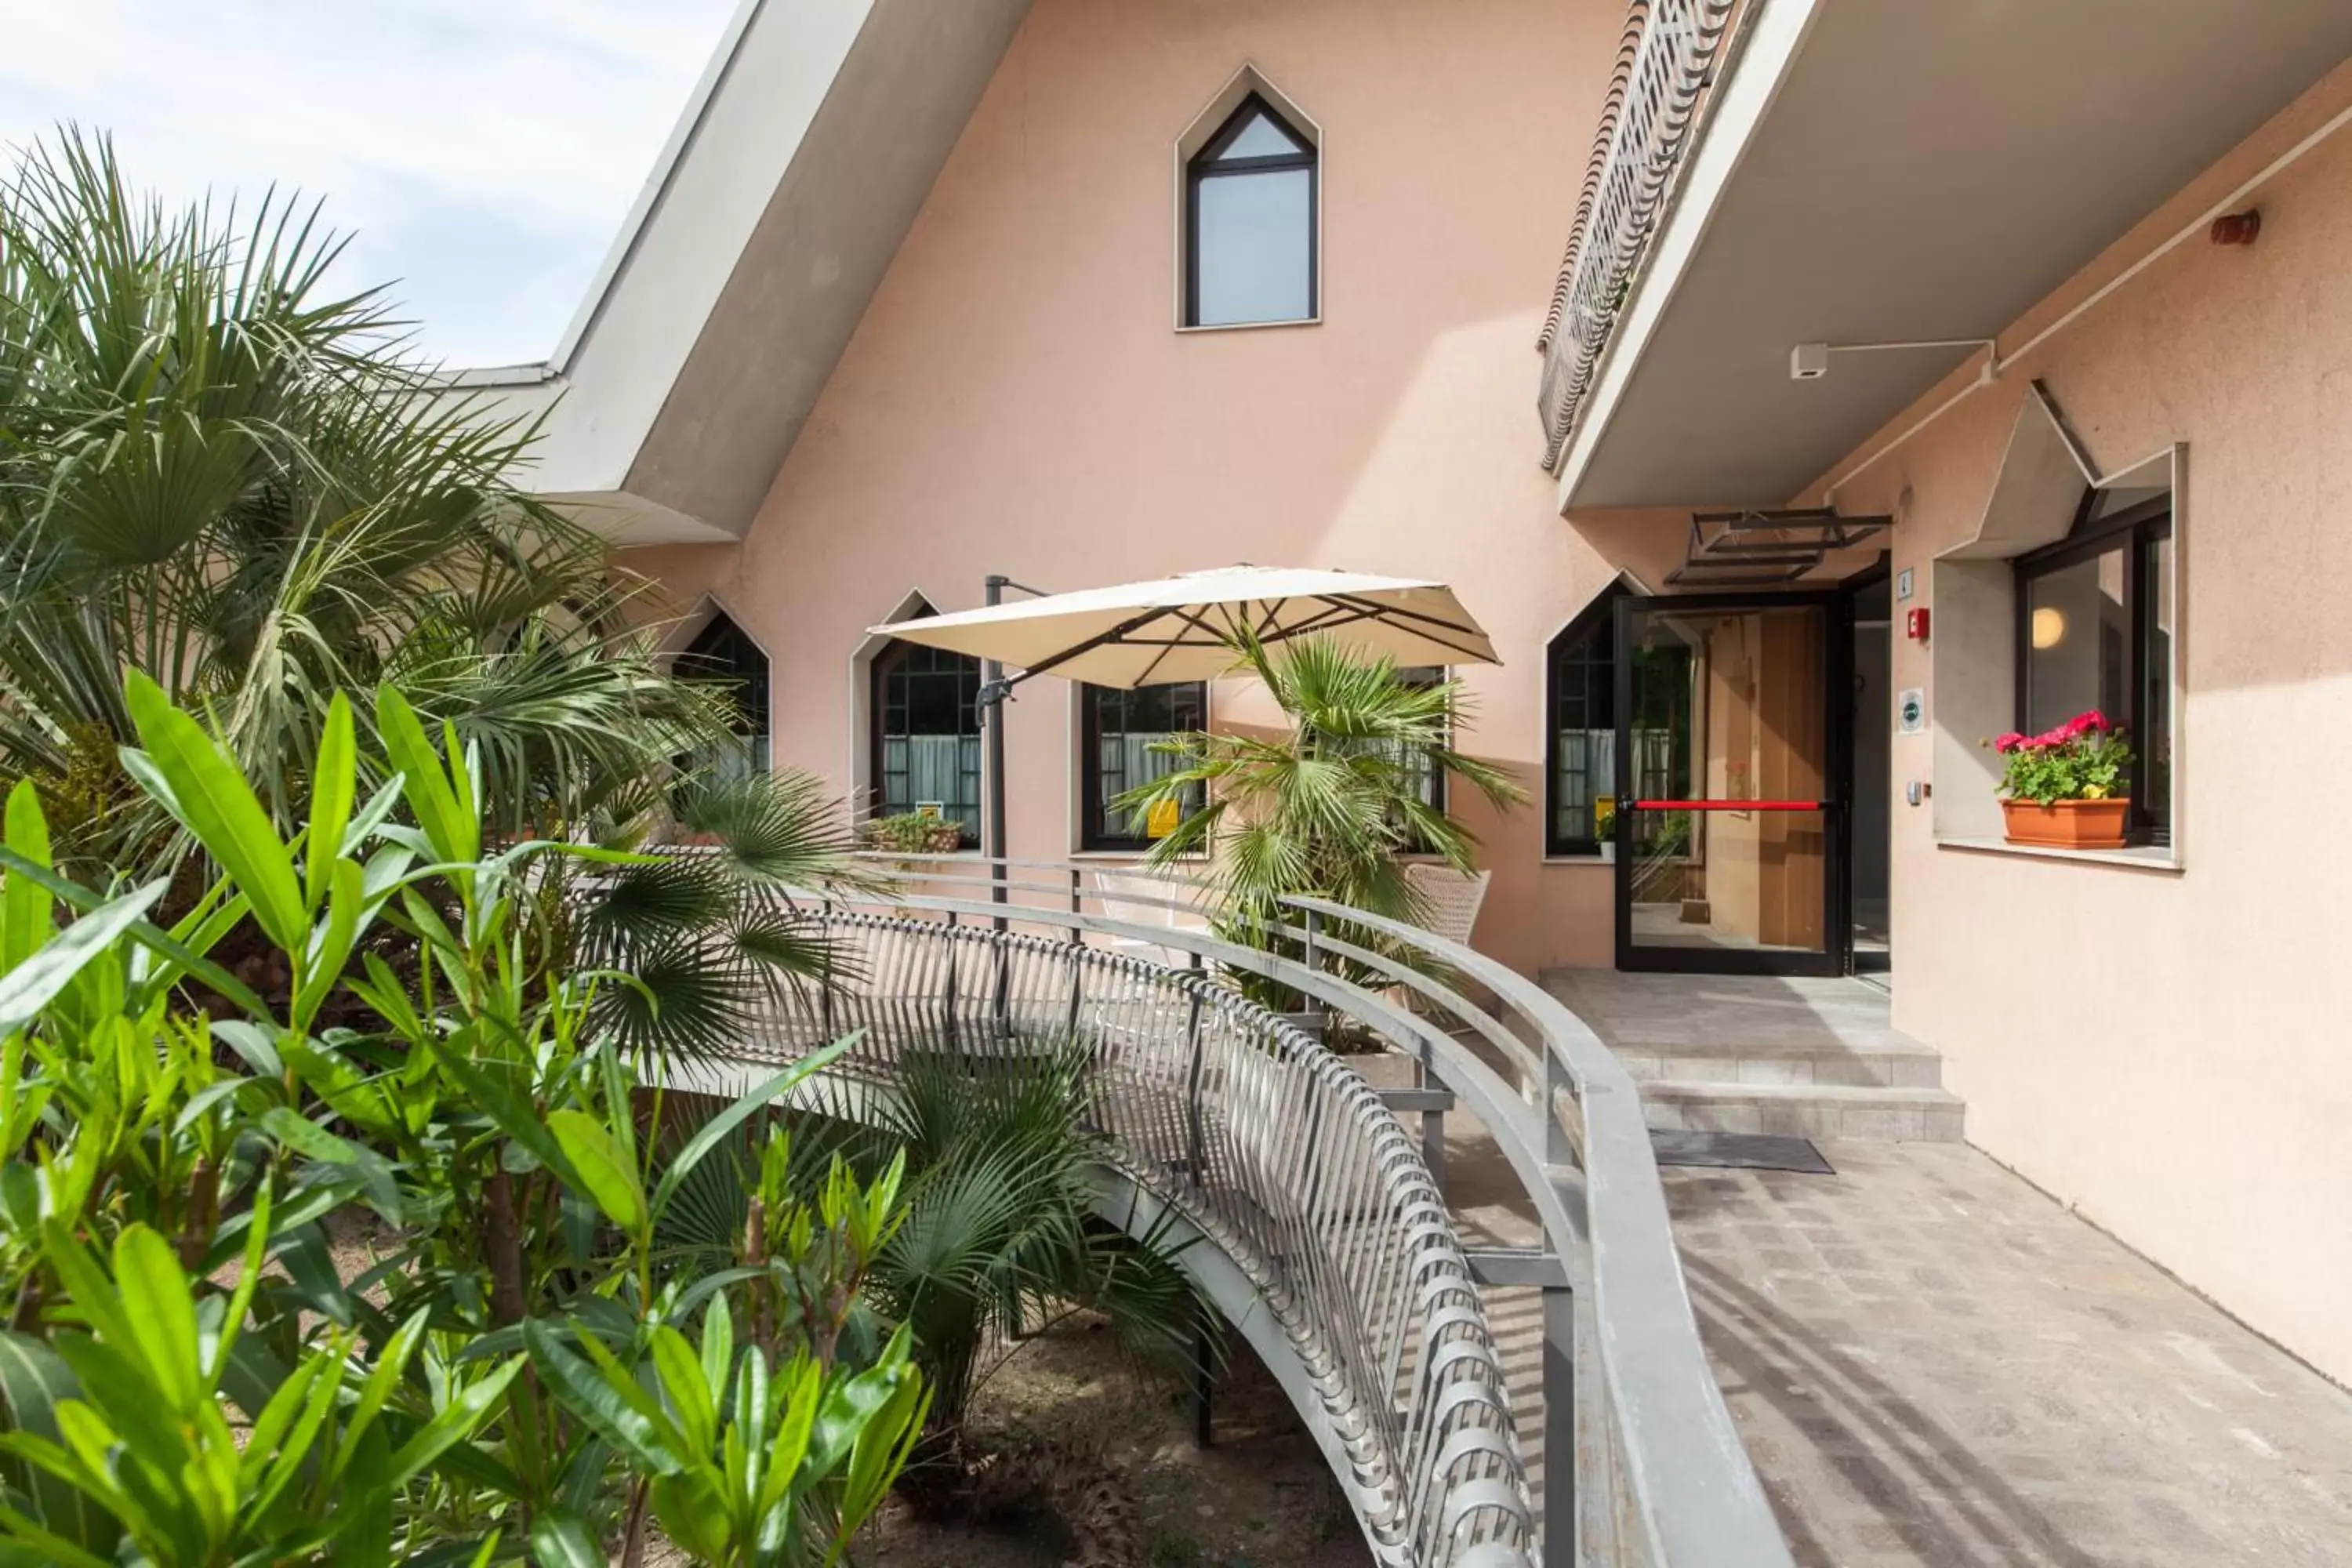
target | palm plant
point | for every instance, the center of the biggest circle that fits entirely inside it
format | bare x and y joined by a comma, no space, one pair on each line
998,1237
1331,805
217,473
259,496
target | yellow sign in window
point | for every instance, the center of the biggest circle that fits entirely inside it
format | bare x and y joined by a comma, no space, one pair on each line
1161,819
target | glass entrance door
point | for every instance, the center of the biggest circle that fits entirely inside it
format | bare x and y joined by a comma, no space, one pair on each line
1728,836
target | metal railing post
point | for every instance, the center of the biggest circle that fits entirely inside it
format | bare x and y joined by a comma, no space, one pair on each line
1560,1508
1313,1010
948,1003
1194,1155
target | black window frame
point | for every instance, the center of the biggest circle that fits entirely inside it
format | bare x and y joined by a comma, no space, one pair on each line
1422,677
885,664
1596,620
1204,165
2135,531
723,654
1093,816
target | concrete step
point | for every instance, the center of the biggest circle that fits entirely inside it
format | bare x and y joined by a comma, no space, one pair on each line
1881,1113
1892,1062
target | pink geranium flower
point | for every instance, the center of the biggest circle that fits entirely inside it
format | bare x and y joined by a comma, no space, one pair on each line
2088,723
2007,742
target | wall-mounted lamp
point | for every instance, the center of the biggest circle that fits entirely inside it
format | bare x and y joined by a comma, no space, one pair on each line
1810,361
2237,228
2047,627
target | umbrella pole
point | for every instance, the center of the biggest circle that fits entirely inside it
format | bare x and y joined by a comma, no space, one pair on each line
992,689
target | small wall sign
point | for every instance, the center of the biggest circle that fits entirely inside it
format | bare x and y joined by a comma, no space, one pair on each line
1911,709
1903,583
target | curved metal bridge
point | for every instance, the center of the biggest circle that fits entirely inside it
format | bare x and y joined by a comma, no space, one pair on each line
1322,1220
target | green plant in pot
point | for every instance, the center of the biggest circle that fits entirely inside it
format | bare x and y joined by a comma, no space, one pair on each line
1331,805
2067,788
913,833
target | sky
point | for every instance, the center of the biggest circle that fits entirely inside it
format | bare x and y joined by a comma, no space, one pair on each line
481,155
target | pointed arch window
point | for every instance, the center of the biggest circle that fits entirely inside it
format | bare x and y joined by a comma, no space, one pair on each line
926,729
1250,221
723,655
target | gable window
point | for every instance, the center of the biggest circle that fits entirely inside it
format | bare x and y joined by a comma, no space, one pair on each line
1121,729
1249,222
926,729
2095,626
724,656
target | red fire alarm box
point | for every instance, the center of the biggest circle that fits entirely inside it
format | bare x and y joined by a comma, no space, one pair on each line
1915,625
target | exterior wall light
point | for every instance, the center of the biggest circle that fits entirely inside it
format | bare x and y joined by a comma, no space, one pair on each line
1810,361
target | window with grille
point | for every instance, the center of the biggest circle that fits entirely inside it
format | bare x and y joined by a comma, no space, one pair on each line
926,727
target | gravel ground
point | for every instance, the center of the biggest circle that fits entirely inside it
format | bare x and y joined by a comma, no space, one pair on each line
1260,1498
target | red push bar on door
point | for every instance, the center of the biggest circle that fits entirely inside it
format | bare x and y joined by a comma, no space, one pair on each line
1726,805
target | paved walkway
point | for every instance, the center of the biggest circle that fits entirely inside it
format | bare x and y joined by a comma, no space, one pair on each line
1933,1363
1937,1366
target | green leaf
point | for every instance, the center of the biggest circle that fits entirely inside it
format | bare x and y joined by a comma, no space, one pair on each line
208,793
611,1412
334,782
32,1381
803,1394
255,1044
514,1116
390,1364
718,1348
452,1423
162,1315
715,1131
602,1169
689,1395
86,1283
564,1540
306,1138
35,983
323,964
26,920
885,1440
425,781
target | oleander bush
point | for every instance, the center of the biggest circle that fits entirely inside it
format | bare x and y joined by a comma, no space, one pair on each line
194,1371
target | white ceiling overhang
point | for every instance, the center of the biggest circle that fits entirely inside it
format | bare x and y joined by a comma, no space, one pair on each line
803,157
1898,173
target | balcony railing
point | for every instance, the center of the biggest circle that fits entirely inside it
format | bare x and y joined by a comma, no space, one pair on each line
1304,1179
1665,60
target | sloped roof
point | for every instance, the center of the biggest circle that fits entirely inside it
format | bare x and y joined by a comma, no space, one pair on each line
802,156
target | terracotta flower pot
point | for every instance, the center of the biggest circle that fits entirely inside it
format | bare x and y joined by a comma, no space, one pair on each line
2067,824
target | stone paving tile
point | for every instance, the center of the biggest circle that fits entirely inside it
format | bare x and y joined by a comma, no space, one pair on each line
1936,1366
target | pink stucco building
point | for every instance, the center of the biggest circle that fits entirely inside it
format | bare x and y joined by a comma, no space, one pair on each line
1912,303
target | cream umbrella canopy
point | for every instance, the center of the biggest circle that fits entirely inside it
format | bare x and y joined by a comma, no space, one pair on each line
1186,627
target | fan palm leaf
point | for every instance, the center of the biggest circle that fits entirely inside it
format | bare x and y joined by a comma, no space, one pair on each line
219,471
1331,807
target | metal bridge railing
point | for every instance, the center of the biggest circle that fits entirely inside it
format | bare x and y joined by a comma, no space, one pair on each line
1306,1177
1664,61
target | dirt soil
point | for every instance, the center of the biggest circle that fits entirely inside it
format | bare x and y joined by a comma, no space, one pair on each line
1260,1498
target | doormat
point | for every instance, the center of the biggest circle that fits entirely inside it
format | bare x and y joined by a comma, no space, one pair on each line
1739,1152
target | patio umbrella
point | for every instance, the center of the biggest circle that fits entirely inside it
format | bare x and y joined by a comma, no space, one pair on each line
1184,629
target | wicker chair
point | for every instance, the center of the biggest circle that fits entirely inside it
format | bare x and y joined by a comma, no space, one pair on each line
1143,898
1450,900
